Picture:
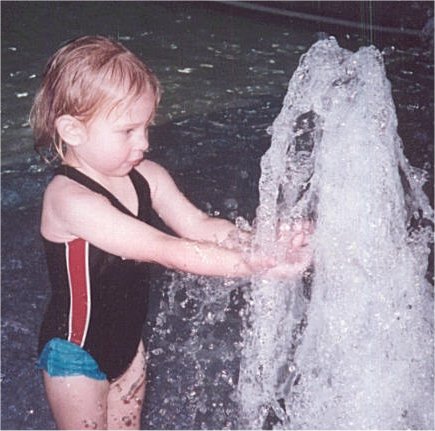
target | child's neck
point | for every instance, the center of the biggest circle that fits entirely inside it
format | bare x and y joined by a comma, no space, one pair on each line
109,182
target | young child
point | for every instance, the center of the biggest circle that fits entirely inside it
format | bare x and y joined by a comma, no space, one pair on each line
94,107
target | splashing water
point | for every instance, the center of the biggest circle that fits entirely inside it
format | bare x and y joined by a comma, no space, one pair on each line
196,342
351,345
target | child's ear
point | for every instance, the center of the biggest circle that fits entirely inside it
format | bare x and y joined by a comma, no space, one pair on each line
70,129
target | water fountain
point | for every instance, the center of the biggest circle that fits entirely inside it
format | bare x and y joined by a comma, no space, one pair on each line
350,345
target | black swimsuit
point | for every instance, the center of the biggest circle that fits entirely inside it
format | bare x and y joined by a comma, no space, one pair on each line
99,301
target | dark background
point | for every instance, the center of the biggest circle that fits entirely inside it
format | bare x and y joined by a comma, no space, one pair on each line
224,71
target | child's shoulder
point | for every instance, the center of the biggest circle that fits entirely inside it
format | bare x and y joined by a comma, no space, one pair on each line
66,208
65,193
149,167
61,186
152,172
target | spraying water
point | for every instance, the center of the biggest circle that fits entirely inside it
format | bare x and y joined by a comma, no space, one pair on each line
350,345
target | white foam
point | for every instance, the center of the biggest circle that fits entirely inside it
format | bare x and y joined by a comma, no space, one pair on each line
353,348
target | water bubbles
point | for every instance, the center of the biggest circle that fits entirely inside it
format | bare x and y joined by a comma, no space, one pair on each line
127,420
29,412
389,50
201,347
346,355
231,204
90,424
326,103
124,38
21,95
411,107
244,174
186,70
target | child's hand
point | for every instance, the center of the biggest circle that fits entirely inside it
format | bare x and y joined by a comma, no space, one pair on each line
294,236
297,262
297,253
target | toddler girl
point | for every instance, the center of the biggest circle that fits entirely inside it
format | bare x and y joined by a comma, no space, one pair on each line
94,107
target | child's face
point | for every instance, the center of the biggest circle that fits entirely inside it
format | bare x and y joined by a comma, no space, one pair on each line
116,139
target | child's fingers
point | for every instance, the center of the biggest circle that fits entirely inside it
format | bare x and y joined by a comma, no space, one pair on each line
260,262
302,256
298,240
291,270
287,232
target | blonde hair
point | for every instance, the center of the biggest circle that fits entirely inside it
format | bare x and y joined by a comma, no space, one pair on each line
78,80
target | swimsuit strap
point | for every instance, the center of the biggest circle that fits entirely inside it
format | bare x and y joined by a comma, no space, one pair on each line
143,192
140,185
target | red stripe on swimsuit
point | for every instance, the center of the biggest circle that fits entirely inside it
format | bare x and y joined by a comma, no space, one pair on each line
79,285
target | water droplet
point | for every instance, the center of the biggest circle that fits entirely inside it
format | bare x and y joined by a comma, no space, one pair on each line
89,424
127,420
186,70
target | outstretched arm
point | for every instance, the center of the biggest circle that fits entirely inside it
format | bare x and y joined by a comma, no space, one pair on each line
178,212
80,213
189,222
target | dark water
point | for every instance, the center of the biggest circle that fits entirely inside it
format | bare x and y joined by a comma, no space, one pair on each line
224,74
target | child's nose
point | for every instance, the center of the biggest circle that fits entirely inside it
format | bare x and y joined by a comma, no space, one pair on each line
141,141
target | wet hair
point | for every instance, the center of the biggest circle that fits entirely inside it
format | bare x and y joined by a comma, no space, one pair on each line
79,80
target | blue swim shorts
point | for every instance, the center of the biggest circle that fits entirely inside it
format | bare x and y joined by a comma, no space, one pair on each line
61,358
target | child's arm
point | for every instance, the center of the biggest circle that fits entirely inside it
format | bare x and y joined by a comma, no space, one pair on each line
178,212
189,222
70,212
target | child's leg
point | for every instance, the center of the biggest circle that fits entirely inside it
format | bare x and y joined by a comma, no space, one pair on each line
126,395
77,402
